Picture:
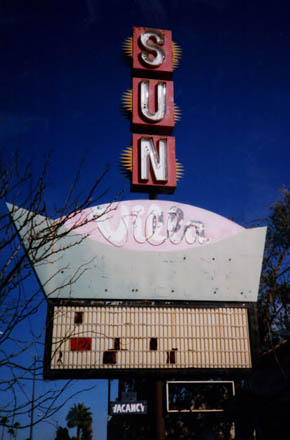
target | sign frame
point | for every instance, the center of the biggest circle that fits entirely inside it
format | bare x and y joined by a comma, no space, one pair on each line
210,382
164,373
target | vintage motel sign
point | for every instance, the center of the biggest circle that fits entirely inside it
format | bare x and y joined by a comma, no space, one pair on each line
145,286
151,159
152,251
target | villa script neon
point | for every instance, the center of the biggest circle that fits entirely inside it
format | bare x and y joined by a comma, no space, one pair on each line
153,225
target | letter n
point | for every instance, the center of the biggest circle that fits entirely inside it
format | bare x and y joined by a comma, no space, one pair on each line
154,164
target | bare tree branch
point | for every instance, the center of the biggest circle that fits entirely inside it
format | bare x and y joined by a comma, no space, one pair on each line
19,185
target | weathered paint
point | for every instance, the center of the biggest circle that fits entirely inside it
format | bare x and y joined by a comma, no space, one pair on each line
155,226
152,183
166,123
216,337
220,261
166,65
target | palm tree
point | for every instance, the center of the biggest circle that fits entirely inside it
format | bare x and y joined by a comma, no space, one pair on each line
87,432
62,434
80,417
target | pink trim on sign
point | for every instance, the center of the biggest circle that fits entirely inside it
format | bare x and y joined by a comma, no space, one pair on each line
152,225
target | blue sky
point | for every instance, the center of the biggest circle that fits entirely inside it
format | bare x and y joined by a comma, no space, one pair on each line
63,74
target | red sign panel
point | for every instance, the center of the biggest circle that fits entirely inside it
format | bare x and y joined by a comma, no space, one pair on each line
153,104
80,344
152,51
154,163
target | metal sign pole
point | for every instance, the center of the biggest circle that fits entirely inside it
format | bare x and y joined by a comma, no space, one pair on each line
157,395
158,414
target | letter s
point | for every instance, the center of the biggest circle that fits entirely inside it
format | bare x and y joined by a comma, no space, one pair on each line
154,56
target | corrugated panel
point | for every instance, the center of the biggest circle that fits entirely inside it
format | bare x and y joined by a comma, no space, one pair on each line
146,337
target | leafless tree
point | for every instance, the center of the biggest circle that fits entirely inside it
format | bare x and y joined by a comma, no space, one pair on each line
274,298
21,297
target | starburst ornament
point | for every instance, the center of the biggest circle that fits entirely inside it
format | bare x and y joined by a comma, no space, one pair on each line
126,164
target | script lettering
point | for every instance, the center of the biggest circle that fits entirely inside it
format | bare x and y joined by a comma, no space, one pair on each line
154,226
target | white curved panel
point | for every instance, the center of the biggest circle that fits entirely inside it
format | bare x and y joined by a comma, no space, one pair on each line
226,270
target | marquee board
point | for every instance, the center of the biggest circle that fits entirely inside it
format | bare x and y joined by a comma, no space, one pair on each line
109,340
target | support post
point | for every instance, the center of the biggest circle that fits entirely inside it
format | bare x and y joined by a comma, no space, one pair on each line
158,413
